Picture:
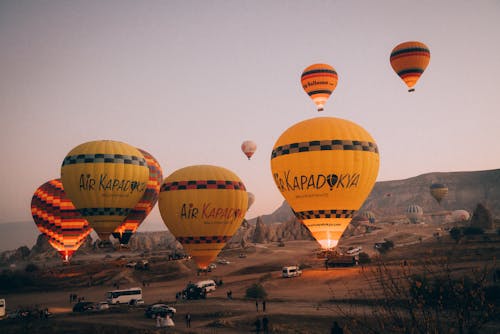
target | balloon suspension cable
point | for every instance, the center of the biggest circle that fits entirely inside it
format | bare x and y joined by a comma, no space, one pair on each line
411,90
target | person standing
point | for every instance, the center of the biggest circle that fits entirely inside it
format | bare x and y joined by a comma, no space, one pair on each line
257,305
336,329
264,306
188,320
265,325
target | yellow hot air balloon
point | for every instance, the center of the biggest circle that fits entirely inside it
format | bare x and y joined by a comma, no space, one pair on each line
319,81
438,191
104,179
248,147
325,168
203,206
409,60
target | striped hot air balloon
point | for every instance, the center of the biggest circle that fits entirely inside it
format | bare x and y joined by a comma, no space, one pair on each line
409,60
137,215
319,81
105,179
325,168
414,213
203,206
57,218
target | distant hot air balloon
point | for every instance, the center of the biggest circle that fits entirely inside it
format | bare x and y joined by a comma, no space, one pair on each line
57,218
325,168
460,216
248,147
370,216
438,191
319,81
203,206
414,213
142,209
409,60
251,199
104,179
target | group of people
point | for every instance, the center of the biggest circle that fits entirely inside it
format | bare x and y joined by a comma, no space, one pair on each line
73,298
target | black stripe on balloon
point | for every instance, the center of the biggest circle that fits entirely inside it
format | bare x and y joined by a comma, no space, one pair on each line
410,71
325,145
318,71
104,158
409,50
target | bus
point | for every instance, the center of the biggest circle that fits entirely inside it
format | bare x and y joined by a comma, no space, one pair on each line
124,296
2,308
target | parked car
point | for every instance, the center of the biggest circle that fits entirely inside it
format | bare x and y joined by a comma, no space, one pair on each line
159,309
131,264
223,261
242,255
211,267
84,307
136,302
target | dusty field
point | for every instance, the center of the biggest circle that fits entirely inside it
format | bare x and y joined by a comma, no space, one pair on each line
307,304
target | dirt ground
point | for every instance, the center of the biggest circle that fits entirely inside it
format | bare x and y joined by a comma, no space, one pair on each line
306,304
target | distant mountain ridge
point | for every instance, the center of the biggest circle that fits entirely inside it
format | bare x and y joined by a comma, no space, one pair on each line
390,198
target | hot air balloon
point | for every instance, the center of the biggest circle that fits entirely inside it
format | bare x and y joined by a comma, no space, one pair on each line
203,206
414,213
142,209
409,60
319,81
251,199
325,168
368,215
57,218
248,147
104,179
459,216
438,191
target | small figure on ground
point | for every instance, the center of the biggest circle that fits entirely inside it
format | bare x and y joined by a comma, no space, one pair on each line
188,320
257,326
336,329
257,305
264,306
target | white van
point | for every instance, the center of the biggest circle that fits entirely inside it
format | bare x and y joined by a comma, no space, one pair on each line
291,271
208,285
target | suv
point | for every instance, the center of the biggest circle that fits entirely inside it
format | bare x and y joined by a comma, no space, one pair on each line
159,309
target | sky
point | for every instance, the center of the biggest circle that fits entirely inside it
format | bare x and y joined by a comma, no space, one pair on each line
189,81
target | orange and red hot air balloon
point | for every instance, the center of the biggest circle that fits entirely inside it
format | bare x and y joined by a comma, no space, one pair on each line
409,60
57,218
142,209
319,81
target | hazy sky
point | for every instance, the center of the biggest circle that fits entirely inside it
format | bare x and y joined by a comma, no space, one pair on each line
188,81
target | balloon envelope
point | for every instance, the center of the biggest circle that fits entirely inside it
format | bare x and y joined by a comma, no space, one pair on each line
248,147
203,206
325,168
414,213
57,218
142,209
104,179
319,81
438,191
409,60
251,199
460,216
